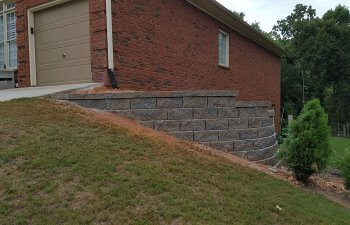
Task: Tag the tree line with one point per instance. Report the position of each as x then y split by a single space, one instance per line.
316 63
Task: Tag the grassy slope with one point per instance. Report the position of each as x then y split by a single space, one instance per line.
340 147
56 167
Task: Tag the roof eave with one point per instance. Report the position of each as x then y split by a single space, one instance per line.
222 14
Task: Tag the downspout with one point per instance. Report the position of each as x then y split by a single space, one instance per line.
111 72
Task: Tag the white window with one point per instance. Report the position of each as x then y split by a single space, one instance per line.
224 43
8 44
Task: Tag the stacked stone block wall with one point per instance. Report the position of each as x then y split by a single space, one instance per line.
213 118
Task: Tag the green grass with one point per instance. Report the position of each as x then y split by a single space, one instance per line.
59 167
340 147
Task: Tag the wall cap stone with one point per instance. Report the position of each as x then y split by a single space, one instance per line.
149 94
248 104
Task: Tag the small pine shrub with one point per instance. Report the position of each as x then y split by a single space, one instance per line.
346 172
306 149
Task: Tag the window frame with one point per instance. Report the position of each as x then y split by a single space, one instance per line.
6 40
227 63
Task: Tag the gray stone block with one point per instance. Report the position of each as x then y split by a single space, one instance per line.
262 154
268 121
228 112
92 103
154 114
271 112
226 145
251 104
187 136
243 145
149 124
218 124
228 135
238 123
243 155
143 103
247 112
195 102
206 113
266 131
248 134
221 101
206 136
272 140
117 104
167 125
132 114
180 114
205 143
255 122
169 103
262 111
265 142
272 161
193 125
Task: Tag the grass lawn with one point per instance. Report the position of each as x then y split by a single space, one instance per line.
340 147
57 166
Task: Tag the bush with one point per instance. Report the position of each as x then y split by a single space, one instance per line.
281 137
306 149
346 171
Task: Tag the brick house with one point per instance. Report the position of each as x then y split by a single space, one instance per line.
150 44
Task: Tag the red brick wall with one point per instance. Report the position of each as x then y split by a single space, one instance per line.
167 45
97 36
171 45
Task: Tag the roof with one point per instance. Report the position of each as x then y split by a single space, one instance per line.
222 14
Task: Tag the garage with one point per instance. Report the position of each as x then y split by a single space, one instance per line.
62 44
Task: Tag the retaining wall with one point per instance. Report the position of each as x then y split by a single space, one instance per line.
212 118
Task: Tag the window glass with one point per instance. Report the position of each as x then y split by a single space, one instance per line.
11 26
12 54
2 54
1 28
223 49
10 5
8 44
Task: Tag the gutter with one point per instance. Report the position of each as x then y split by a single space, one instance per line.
110 51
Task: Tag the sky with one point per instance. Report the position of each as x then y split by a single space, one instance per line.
268 12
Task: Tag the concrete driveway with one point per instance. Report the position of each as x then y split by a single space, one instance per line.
29 92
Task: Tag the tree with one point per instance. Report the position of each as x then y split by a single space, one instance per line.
318 55
306 149
239 14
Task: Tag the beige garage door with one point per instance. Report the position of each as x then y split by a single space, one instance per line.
62 43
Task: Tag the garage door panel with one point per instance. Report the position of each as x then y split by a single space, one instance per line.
55 55
62 44
72 29
52 66
62 39
77 8
57 74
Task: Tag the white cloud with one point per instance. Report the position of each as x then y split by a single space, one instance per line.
267 12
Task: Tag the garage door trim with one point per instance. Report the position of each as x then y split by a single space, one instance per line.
31 36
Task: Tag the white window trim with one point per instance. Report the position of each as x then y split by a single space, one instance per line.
227 64
6 41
